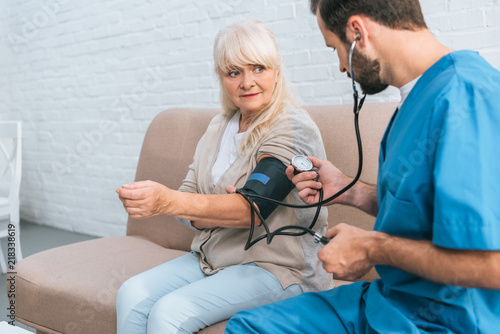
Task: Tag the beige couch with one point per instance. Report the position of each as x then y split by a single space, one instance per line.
72 289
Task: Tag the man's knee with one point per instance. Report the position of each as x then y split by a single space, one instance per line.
241 322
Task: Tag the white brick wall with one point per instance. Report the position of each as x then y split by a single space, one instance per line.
86 78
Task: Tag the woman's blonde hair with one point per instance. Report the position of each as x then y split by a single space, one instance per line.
251 42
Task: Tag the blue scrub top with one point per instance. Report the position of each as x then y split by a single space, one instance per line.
439 180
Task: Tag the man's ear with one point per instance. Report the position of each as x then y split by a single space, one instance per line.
356 29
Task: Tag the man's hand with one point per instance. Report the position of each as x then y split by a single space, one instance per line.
347 255
145 199
330 178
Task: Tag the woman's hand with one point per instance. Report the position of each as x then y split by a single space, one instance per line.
330 178
146 199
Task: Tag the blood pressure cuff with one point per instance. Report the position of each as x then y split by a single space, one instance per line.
269 180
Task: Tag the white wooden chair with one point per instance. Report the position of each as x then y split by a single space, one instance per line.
10 184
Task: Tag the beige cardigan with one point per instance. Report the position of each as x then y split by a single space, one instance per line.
292 260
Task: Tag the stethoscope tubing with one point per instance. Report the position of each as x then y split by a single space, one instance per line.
317 238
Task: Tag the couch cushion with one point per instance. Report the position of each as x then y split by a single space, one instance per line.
72 289
171 139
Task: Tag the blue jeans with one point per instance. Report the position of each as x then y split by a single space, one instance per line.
177 297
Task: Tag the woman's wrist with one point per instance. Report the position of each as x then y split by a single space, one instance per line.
168 202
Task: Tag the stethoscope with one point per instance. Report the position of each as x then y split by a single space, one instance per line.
302 164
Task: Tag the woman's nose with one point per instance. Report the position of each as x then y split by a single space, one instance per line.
247 81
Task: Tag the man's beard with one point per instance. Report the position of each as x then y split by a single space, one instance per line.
367 74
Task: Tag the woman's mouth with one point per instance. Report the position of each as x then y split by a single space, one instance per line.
249 96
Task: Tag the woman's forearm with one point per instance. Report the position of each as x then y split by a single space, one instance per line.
208 211
145 199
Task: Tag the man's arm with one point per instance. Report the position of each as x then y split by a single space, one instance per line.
362 196
353 251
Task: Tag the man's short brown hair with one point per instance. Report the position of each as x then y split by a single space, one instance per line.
395 14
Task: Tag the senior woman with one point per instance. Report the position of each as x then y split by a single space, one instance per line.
259 120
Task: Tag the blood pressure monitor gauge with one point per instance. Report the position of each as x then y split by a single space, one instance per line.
301 164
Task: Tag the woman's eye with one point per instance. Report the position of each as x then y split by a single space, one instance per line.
233 73
259 69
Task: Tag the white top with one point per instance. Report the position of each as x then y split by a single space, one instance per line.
228 151
406 89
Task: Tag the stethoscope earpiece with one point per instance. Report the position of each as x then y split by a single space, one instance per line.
357 103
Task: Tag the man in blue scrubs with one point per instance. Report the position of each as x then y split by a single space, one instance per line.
436 241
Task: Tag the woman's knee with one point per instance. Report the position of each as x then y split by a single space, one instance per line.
173 313
129 295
